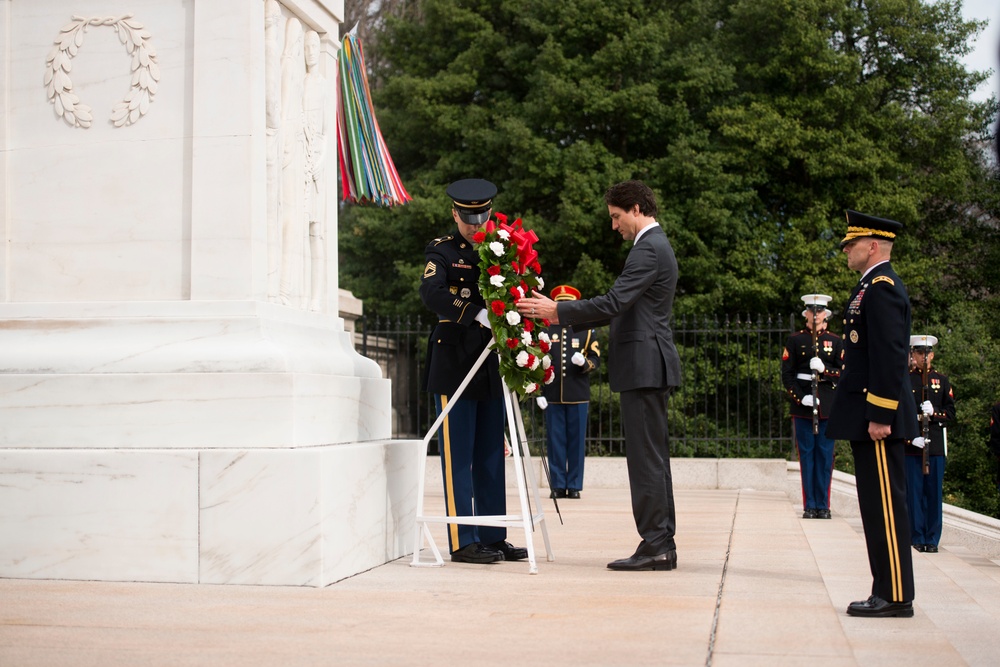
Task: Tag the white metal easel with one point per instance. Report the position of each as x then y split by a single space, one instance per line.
523 470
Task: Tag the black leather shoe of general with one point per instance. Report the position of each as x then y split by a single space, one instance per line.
930 548
809 514
509 551
476 553
573 493
558 493
665 561
875 606
823 514
920 547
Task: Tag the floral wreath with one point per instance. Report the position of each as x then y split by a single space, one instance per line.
509 270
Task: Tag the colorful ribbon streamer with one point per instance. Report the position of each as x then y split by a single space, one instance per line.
367 173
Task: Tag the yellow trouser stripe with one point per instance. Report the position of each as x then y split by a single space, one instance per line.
449 486
888 518
886 403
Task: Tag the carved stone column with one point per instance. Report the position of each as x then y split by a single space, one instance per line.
165 418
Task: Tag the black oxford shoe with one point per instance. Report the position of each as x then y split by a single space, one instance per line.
920 547
558 493
665 561
876 607
823 514
573 493
809 514
509 551
930 549
476 553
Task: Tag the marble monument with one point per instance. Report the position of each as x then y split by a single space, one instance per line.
179 399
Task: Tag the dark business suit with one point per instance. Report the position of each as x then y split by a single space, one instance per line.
644 367
875 387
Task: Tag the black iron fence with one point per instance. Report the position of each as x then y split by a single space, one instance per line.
731 404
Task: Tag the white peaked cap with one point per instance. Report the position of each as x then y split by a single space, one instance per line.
923 341
816 300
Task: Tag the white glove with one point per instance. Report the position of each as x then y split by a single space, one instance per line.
483 319
918 442
542 403
816 364
807 400
578 359
927 408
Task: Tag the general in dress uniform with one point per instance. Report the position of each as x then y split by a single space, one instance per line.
575 355
471 436
874 410
935 401
804 356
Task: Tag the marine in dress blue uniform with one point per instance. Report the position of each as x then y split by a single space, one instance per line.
575 355
925 492
873 409
471 436
798 360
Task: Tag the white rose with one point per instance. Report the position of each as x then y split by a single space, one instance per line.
525 338
522 359
530 388
546 362
535 362
541 284
504 234
496 281
513 317
543 336
517 292
497 248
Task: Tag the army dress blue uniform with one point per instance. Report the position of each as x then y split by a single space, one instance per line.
568 397
925 492
874 387
471 435
816 451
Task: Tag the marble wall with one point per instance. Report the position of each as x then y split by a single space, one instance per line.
180 398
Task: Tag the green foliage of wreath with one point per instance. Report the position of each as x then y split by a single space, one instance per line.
520 342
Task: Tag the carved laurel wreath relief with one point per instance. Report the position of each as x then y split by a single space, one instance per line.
145 71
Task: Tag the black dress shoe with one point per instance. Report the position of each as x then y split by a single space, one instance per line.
920 547
508 550
930 549
558 493
573 493
476 553
875 606
665 561
809 514
823 514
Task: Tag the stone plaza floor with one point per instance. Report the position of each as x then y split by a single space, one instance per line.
755 585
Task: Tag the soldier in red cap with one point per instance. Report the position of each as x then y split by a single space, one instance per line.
566 400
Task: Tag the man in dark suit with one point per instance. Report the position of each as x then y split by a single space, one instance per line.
873 408
471 437
644 366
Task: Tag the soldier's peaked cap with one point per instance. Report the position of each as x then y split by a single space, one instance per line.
565 293
923 343
862 225
817 303
473 199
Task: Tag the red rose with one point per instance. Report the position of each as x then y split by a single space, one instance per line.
546 323
493 270
536 267
549 372
479 237
545 347
516 268
512 343
497 307
529 326
501 217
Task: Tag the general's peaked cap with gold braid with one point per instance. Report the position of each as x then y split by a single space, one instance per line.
862 225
